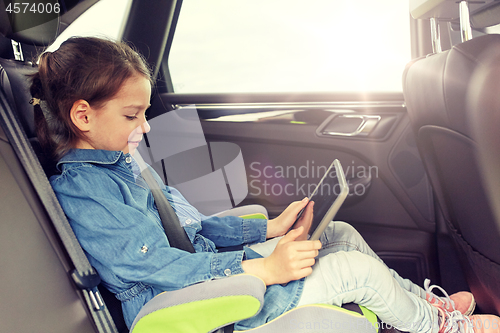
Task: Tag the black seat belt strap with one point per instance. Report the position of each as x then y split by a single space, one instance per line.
176 234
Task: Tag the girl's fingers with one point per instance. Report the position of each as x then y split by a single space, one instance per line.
308 211
307 245
292 235
308 262
305 262
298 205
306 220
304 255
306 271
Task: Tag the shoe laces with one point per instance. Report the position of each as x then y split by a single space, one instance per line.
447 301
456 322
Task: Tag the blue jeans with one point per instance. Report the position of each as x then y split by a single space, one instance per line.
347 270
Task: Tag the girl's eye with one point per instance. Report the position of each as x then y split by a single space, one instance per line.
131 117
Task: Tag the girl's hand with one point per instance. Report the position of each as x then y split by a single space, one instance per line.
280 225
290 260
305 221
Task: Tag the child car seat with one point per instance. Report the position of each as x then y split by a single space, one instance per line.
203 307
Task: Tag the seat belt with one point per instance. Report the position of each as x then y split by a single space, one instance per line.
84 275
176 234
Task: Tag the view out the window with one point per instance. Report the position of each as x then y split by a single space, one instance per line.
105 19
290 46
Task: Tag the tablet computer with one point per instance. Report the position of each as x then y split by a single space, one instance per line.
328 196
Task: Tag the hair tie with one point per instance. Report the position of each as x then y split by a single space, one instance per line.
35 101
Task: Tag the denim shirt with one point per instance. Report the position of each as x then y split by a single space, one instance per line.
114 217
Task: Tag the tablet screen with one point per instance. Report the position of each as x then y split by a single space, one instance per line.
325 193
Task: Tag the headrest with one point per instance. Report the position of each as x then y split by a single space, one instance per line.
27 26
483 13
435 87
15 82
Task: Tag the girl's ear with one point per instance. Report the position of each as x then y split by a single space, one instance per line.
80 113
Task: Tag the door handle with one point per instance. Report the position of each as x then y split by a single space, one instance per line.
356 125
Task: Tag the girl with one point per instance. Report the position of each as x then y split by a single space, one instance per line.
94 95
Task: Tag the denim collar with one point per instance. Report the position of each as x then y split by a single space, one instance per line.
96 156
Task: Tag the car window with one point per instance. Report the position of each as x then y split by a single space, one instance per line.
288 46
105 19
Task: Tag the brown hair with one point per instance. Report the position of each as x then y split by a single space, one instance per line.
87 68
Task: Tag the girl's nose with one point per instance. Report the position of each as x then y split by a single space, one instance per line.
145 128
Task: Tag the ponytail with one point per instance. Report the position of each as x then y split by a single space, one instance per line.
41 125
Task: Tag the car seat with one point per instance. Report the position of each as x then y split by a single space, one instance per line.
435 89
204 307
483 105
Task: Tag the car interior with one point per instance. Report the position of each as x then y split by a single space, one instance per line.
422 166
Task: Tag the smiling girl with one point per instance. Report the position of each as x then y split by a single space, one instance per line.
90 100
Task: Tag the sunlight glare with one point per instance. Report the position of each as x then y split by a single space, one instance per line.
288 46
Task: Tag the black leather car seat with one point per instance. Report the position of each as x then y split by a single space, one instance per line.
435 89
484 109
14 80
15 83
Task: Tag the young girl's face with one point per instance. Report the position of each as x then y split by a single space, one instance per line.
120 124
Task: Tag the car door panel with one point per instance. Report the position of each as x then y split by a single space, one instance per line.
284 150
